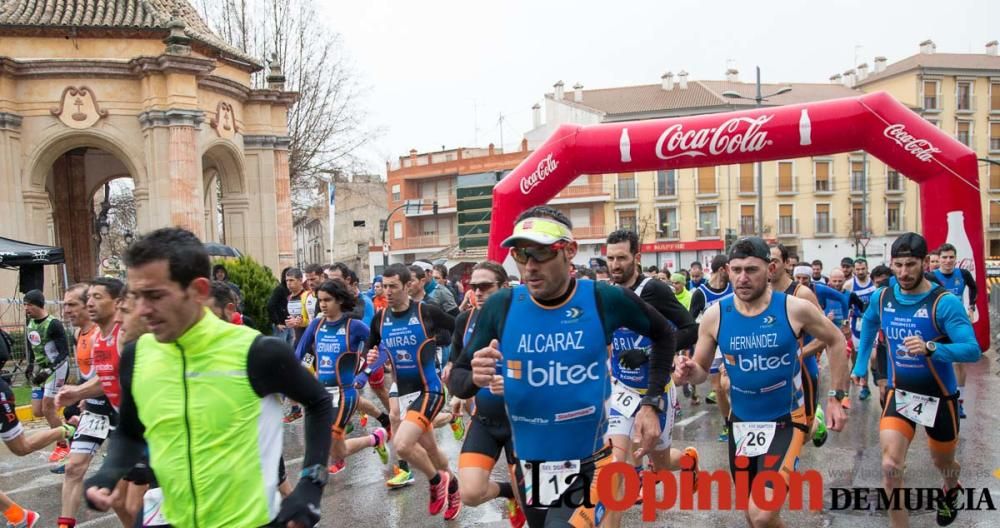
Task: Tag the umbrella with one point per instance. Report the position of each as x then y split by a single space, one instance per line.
221 250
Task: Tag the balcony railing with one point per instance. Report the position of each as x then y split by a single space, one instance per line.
424 241
625 191
788 226
706 232
590 232
994 144
931 103
994 226
748 228
586 189
824 186
824 225
669 235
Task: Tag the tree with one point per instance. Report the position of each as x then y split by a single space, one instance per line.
327 124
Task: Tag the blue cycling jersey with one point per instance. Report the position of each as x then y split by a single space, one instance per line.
762 359
556 378
864 292
953 282
411 350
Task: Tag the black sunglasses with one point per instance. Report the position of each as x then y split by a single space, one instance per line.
483 286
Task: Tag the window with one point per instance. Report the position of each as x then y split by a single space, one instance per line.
395 193
786 183
626 186
994 214
667 226
822 170
708 221
666 182
381 225
858 223
963 96
823 223
439 190
995 136
706 180
626 219
893 181
786 219
994 177
995 98
397 230
747 184
359 223
858 177
747 220
963 132
893 217
580 217
362 249
931 95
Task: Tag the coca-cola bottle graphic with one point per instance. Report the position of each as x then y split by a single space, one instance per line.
805 128
625 146
963 249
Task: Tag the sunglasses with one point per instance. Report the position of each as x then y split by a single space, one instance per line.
482 286
539 253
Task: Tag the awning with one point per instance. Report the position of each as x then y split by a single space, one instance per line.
14 253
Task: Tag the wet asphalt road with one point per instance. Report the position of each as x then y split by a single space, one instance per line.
358 498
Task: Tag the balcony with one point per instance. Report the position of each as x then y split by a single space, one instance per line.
708 232
666 192
590 232
823 187
748 228
626 190
582 193
430 241
994 226
858 183
931 104
673 234
788 226
425 206
995 144
824 226
965 105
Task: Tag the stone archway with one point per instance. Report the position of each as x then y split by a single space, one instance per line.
227 204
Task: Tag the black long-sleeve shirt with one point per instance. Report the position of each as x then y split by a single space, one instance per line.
277 305
661 296
271 368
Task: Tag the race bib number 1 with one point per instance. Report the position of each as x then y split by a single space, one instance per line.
94 425
917 407
624 399
554 478
406 400
753 438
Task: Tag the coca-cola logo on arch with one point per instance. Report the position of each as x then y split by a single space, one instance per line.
739 134
546 166
921 149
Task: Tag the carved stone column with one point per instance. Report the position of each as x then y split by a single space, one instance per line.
175 168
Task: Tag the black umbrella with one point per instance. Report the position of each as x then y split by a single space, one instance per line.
221 250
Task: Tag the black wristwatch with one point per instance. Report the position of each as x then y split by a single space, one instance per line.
317 474
655 402
931 347
837 394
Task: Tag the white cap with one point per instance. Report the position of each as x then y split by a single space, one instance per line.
803 270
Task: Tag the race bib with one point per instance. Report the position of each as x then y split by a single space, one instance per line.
405 400
152 508
307 362
295 308
753 438
625 399
554 478
94 425
334 395
917 407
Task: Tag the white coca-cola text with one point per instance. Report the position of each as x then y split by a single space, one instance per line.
727 138
546 166
921 149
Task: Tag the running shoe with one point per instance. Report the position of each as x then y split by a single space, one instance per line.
438 493
337 467
380 438
515 515
458 428
59 453
30 520
821 434
454 504
400 479
349 429
724 436
865 393
710 399
947 508
60 467
696 468
961 409
846 402
363 420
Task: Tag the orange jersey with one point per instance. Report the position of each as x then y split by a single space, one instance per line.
85 351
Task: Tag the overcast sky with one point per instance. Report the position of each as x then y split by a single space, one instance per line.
440 73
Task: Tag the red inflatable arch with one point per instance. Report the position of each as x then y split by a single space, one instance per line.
945 169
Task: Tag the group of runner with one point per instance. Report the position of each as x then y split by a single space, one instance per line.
565 375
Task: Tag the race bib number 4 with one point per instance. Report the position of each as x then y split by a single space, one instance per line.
917 407
334 395
406 400
625 399
94 425
753 438
554 478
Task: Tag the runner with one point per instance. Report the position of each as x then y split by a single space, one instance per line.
571 323
411 333
489 431
935 257
702 298
630 363
22 444
231 443
880 368
300 300
926 330
758 331
48 364
817 272
861 285
847 267
99 416
960 282
75 310
697 275
678 283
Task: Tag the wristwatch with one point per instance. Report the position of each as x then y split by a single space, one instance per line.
652 401
931 348
317 474
837 394
368 371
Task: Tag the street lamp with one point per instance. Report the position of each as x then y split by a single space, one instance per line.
758 99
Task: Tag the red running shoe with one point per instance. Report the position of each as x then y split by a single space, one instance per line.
439 493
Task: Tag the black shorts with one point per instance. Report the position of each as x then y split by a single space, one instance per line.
942 438
424 409
881 370
483 442
562 515
141 474
783 453
10 426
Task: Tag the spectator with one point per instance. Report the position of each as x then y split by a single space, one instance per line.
440 273
435 294
378 296
221 274
602 274
277 309
585 273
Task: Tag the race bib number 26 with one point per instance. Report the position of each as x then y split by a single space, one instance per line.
753 438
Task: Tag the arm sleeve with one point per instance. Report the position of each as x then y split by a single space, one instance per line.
307 340
869 331
359 335
854 301
57 336
458 336
622 307
697 302
970 283
443 324
273 370
666 303
375 331
126 445
487 329
954 322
